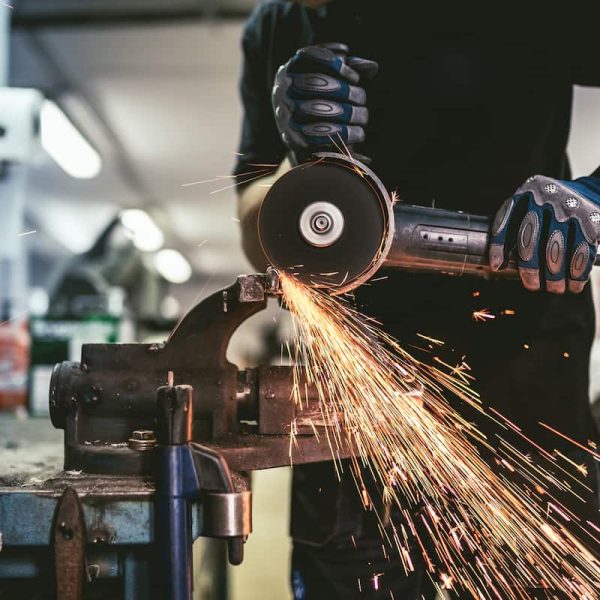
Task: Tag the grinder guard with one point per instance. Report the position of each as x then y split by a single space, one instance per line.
336 195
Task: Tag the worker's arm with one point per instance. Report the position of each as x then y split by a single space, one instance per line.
249 202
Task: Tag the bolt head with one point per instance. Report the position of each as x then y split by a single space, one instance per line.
142 434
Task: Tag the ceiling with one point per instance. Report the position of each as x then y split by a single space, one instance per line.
159 101
68 11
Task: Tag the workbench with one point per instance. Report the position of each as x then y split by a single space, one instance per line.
118 513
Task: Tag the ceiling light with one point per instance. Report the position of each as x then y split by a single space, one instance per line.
65 144
173 266
145 233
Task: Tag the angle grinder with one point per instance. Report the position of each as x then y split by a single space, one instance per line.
332 223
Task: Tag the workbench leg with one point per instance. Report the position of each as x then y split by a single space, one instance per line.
137 583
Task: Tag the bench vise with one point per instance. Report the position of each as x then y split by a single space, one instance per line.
180 411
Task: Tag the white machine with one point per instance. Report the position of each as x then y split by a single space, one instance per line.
19 146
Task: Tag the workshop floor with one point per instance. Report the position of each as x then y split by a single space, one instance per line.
264 572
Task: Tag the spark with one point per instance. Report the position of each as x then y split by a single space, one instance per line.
572 441
27 233
260 175
14 318
447 581
424 453
220 178
430 339
509 312
376 577
248 177
483 315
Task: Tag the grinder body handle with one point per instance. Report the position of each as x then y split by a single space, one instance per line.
443 241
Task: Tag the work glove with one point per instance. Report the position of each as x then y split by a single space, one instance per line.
555 227
319 102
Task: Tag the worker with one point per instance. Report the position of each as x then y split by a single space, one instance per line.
453 113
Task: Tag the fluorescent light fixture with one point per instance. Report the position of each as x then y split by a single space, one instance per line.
172 265
65 144
144 232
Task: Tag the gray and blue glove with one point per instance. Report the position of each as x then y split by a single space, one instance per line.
319 101
554 226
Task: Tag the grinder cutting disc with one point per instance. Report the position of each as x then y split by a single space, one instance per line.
329 223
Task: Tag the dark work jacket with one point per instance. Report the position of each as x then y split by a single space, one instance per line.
463 110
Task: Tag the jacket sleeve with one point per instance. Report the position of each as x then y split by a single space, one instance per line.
260 145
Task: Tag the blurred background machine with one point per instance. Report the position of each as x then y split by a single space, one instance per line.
115 239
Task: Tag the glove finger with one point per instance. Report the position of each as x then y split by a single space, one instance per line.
320 59
503 238
317 85
497 254
329 134
280 98
555 257
309 111
528 244
367 69
290 135
582 256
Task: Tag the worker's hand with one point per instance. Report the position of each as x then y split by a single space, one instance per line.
555 227
318 100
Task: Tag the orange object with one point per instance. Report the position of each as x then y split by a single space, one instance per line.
14 364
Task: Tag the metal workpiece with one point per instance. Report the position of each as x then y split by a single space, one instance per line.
278 410
257 286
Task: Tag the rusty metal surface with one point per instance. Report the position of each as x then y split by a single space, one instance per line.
69 539
117 509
